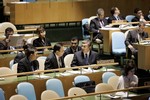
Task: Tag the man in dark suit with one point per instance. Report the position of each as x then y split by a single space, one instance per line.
4 43
97 23
86 56
42 40
29 62
115 15
55 59
135 36
139 16
74 47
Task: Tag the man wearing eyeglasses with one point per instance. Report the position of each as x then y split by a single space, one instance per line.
4 43
74 47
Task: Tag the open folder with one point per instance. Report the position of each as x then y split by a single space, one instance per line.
16 40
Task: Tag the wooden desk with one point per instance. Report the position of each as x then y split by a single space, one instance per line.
107 44
143 56
39 84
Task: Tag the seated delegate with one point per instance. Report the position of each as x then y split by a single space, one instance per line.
29 62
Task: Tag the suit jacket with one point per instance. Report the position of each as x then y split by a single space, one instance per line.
132 37
3 45
135 19
95 25
110 19
18 57
51 62
70 51
39 43
79 59
25 65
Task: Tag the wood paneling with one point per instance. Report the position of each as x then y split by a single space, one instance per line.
48 12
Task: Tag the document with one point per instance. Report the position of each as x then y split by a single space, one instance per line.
16 40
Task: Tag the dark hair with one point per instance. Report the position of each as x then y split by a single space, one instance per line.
112 10
8 30
57 47
74 38
136 10
40 29
29 49
129 66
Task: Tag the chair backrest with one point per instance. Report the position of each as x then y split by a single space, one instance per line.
2 97
26 89
113 81
68 59
85 25
11 63
129 18
14 68
5 71
76 91
81 78
42 57
106 76
49 94
41 63
55 85
5 25
18 97
103 87
30 40
92 17
118 45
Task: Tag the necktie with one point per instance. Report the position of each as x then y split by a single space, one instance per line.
101 23
118 18
59 63
86 59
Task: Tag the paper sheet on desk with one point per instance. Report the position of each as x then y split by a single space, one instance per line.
109 28
124 94
41 76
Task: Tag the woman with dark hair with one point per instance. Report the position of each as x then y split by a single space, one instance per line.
128 78
29 62
42 40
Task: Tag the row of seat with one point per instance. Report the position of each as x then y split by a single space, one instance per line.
67 61
84 21
55 85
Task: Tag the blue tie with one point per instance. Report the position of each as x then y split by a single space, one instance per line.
86 59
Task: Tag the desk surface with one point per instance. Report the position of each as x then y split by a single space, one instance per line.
39 83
